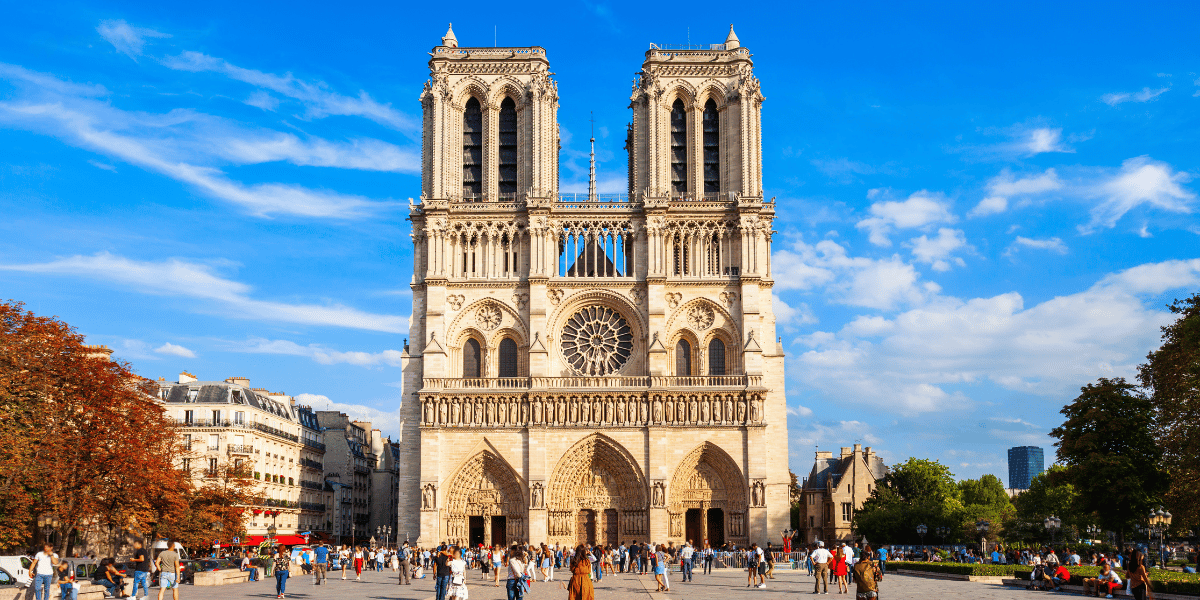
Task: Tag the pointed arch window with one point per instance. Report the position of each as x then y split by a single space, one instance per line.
716 357
472 150
712 148
472 359
508 148
679 159
683 358
508 358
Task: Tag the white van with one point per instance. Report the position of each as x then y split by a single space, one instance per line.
18 568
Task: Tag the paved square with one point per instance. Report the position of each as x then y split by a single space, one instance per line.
723 584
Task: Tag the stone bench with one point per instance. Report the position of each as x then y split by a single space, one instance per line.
222 577
949 576
1078 589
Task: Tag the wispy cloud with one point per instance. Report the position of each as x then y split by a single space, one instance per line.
918 210
1044 139
186 146
319 101
174 350
127 39
1053 244
1005 186
224 297
318 353
938 250
1145 95
1140 181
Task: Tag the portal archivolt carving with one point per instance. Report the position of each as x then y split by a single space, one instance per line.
709 478
598 475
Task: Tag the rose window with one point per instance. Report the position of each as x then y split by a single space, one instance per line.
597 341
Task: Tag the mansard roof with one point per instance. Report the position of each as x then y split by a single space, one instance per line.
221 392
827 472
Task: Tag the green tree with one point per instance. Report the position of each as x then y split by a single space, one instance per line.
1172 374
1049 494
986 499
914 492
1112 459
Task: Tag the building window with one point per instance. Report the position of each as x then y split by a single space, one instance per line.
214 441
716 356
812 498
508 148
811 522
683 358
212 467
508 358
471 359
188 418
191 396
847 511
679 161
216 417
472 150
187 464
187 441
712 148
239 418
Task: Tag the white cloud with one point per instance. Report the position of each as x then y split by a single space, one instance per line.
1053 244
387 422
789 317
858 281
1044 139
127 39
1145 95
184 146
1141 180
835 434
799 411
226 297
907 364
937 251
173 350
319 353
1006 185
319 101
919 210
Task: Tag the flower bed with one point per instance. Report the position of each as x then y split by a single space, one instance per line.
953 568
1167 582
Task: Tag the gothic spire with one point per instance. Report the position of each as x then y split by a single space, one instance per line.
731 41
449 40
592 166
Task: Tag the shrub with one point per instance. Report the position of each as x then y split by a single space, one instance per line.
976 570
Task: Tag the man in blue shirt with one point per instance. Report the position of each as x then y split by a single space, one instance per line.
321 566
883 556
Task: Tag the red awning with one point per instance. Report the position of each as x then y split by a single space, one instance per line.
286 540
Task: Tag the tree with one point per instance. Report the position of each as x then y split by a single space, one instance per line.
1049 494
1108 447
986 499
914 492
81 436
1172 374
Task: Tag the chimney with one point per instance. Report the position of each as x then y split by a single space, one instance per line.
242 381
845 452
857 448
867 451
824 454
185 377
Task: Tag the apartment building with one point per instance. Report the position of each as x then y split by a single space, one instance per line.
349 463
834 489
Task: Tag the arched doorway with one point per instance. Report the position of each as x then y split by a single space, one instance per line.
486 503
597 495
708 498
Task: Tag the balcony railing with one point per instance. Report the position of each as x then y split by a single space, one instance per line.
213 448
362 470
311 464
276 432
267 429
314 444
312 485
611 382
239 449
317 506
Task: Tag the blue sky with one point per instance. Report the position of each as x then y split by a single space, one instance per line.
980 208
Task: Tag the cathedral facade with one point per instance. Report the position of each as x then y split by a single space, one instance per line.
585 367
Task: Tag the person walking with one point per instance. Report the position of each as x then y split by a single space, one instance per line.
709 556
1139 580
344 560
320 565
404 554
283 566
685 561
458 576
866 576
141 569
580 586
167 565
517 582
839 569
359 558
441 573
821 558
43 566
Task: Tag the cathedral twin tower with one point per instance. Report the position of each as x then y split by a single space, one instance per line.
592 368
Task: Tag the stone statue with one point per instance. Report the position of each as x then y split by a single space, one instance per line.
441 412
659 496
755 410
536 500
741 411
429 497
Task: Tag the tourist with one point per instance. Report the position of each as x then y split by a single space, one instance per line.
404 565
866 576
344 560
751 566
660 569
709 556
141 569
580 586
1107 580
441 573
283 565
1057 578
458 576
108 576
517 581
66 582
497 561
43 566
881 559
1139 580
821 558
685 561
840 571
320 565
167 565
359 558
248 567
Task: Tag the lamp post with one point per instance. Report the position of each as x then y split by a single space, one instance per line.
1160 521
1093 532
48 523
942 532
921 531
982 526
353 535
216 527
1053 524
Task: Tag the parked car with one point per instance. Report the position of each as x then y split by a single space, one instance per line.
84 568
187 570
17 568
9 581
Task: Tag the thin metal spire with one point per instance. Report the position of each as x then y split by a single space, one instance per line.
592 167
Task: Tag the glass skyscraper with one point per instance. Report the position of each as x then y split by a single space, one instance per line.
1024 463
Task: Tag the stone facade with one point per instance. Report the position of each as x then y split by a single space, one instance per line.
592 368
834 490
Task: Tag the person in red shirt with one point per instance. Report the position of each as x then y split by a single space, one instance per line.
1060 576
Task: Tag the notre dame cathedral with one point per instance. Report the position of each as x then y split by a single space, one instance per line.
601 367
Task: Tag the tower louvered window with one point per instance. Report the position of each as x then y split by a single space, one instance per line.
472 150
508 358
683 358
508 148
716 357
679 161
472 359
712 148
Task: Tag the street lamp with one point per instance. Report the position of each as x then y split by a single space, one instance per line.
982 526
942 532
921 531
353 535
1053 524
1160 521
49 523
1093 531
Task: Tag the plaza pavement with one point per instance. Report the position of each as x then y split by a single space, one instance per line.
723 584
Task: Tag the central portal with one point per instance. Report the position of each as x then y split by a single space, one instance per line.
585 527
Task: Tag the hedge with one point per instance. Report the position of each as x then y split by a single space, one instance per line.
1167 582
953 568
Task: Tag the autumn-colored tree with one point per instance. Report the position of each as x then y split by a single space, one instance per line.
1172 374
81 436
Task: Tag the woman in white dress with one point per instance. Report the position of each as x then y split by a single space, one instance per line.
458 577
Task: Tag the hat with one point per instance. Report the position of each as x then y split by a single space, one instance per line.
820 544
